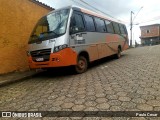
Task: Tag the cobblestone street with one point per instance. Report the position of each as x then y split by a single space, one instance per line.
131 83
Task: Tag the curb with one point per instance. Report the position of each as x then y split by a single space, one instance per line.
11 81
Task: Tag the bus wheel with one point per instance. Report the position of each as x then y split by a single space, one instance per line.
82 65
118 55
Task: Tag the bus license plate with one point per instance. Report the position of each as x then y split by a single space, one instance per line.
39 59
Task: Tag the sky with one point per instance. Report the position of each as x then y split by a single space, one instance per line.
148 11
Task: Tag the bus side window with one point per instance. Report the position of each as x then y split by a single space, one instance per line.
125 29
77 24
100 25
122 29
90 27
109 26
116 28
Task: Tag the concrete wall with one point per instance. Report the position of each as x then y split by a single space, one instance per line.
17 19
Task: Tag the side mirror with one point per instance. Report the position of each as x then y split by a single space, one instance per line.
73 29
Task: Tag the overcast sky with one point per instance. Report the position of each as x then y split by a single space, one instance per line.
120 9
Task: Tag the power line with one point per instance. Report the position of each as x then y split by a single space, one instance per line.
100 5
120 19
97 3
153 19
149 20
84 5
137 13
82 1
102 11
96 9
78 3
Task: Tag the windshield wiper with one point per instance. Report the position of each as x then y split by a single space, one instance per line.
34 35
50 32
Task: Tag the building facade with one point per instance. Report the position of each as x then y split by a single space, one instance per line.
18 18
150 34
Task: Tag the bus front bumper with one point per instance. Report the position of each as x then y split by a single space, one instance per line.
66 57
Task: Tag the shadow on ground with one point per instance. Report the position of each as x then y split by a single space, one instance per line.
67 71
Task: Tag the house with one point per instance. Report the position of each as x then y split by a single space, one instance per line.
18 18
150 34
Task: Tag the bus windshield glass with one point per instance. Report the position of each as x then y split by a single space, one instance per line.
50 26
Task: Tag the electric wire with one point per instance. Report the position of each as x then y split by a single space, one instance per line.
79 3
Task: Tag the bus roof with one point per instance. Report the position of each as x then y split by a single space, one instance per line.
77 8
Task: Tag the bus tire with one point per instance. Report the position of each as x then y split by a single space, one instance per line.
118 55
82 65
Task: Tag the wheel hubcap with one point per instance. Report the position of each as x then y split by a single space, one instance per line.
81 64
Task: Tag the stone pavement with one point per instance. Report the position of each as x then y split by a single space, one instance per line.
131 83
14 77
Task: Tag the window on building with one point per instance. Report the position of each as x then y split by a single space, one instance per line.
100 25
90 27
148 31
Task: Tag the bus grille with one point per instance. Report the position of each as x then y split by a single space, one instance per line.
45 54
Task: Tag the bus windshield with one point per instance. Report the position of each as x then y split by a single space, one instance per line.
50 26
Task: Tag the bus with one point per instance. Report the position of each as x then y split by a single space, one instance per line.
74 36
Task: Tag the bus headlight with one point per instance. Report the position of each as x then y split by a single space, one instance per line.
58 48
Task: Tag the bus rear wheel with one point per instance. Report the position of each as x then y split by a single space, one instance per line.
82 65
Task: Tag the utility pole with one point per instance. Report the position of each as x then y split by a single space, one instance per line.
132 19
131 28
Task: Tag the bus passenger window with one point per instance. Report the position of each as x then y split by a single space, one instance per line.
90 27
109 26
116 28
100 26
77 24
125 29
122 29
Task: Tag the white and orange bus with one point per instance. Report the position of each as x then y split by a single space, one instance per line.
74 36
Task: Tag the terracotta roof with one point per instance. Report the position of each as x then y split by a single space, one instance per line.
42 4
